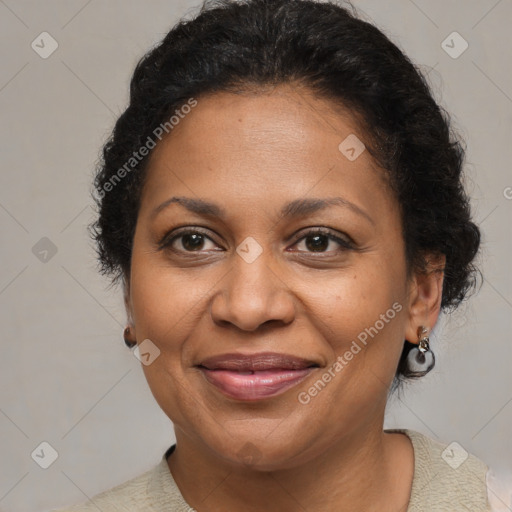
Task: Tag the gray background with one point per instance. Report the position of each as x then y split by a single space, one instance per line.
66 376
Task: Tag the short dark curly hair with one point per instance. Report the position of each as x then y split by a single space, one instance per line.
238 45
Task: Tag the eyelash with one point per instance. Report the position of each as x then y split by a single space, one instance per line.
166 242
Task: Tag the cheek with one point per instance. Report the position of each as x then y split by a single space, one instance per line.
164 299
356 300
168 301
362 317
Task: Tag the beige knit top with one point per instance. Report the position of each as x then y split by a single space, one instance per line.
444 481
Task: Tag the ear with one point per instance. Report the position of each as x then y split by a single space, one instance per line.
128 306
425 296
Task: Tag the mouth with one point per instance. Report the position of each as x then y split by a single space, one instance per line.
257 376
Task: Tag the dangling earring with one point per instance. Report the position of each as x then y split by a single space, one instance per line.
128 342
421 359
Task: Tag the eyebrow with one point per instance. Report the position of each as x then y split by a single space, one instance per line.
296 208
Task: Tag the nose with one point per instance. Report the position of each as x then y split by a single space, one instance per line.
252 294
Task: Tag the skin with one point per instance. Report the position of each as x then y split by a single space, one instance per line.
251 154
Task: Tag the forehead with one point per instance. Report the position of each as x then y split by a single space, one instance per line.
263 145
285 113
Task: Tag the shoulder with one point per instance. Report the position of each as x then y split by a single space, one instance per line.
124 497
152 491
128 496
446 476
499 486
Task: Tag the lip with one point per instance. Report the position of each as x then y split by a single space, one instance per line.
255 376
257 362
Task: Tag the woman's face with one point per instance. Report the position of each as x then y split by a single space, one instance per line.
253 275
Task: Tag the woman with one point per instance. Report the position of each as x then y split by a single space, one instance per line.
282 201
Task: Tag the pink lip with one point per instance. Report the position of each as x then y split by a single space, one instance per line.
256 386
256 376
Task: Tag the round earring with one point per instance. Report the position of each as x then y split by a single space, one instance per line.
421 359
128 342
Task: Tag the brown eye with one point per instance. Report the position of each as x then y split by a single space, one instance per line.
188 241
319 241
192 241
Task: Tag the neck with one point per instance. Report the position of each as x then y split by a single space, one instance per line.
366 470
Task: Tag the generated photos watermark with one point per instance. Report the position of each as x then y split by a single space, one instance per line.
143 151
304 397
